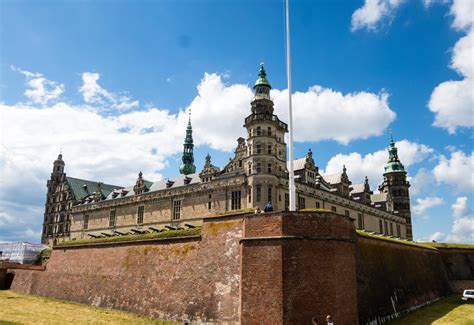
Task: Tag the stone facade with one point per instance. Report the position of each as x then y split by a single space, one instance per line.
256 175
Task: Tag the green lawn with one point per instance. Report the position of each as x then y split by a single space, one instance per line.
449 310
17 308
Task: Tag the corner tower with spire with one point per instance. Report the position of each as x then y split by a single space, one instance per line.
187 167
395 183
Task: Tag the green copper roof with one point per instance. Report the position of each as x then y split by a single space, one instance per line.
187 167
262 78
79 190
393 164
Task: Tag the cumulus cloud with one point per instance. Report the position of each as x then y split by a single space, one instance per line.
372 13
371 165
456 171
316 113
422 179
462 230
93 93
421 205
40 90
452 101
326 114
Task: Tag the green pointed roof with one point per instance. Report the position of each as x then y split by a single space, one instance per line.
394 164
262 78
188 167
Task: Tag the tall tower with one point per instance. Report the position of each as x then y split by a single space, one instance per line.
187 167
52 198
395 182
265 161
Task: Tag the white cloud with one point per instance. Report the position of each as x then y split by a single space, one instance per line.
456 171
371 165
326 114
93 93
462 230
422 179
373 12
452 101
421 205
40 90
316 113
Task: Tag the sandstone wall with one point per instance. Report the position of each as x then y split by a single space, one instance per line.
393 277
184 279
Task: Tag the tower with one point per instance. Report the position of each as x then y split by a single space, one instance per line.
53 206
395 182
187 167
265 161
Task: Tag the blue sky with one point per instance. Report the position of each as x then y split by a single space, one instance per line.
111 83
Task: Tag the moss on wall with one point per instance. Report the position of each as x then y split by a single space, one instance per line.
134 238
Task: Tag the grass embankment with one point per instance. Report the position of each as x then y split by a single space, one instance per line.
17 308
138 237
449 310
362 233
450 245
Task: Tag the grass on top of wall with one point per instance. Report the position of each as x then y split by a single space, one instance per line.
134 237
231 212
393 240
314 210
450 245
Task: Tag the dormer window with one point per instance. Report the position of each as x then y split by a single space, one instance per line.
169 184
187 180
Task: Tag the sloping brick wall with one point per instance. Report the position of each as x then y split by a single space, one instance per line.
393 277
177 279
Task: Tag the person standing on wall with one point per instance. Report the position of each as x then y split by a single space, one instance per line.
329 320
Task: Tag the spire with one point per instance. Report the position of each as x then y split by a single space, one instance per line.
262 87
393 164
58 165
187 167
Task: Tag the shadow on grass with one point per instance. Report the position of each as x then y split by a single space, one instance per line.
431 313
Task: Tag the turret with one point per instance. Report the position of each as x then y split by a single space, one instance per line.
395 182
187 167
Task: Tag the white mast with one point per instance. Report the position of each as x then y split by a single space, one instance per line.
291 184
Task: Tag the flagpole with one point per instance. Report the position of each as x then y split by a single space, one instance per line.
291 184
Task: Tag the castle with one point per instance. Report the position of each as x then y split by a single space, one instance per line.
257 174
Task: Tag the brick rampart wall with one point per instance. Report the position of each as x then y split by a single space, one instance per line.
298 266
176 279
393 277
459 264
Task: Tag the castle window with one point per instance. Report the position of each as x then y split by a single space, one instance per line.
269 149
176 209
391 229
347 213
240 163
269 131
399 233
287 201
360 221
235 203
259 130
318 205
269 198
259 168
301 203
259 193
250 168
333 209
85 225
112 218
385 228
269 168
250 195
140 212
259 148
209 204
380 227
